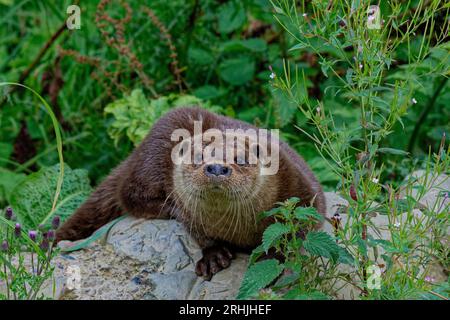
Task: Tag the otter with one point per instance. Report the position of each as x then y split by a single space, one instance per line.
217 202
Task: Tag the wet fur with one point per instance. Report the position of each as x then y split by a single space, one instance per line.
143 186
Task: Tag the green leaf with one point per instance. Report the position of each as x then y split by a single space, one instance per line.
320 243
345 257
200 57
231 16
259 276
253 45
8 181
237 71
273 233
298 46
269 213
305 213
32 198
209 92
393 151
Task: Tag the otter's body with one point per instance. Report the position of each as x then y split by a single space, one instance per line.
216 207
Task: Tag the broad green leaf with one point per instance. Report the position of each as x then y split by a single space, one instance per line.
231 16
200 57
259 276
345 257
8 181
305 213
237 71
32 198
253 45
320 243
209 92
272 234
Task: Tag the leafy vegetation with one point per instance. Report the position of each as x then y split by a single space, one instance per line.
364 106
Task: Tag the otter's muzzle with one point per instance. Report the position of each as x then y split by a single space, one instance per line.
216 170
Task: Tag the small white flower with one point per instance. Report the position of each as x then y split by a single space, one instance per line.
272 75
414 101
375 180
360 66
304 15
397 224
318 109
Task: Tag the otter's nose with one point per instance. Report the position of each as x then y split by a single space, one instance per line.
212 170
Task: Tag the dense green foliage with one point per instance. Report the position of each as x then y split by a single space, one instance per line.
364 107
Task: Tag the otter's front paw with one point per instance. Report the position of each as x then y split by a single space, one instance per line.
214 259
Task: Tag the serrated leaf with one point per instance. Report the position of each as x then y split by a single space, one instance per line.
269 213
320 243
273 233
345 257
259 276
305 213
32 198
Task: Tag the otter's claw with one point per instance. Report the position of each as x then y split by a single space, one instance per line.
214 259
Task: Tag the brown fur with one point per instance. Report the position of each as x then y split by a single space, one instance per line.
148 185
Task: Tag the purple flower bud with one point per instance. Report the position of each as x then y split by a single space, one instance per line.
5 246
44 244
17 230
33 235
8 213
55 222
50 235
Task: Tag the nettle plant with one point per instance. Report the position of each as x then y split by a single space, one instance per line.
356 45
25 259
307 255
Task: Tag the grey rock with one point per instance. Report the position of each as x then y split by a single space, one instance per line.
146 259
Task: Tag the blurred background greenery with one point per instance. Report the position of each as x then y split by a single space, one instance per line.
133 60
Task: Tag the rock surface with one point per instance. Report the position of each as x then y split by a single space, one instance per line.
144 259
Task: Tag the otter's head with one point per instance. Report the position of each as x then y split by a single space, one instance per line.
209 183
